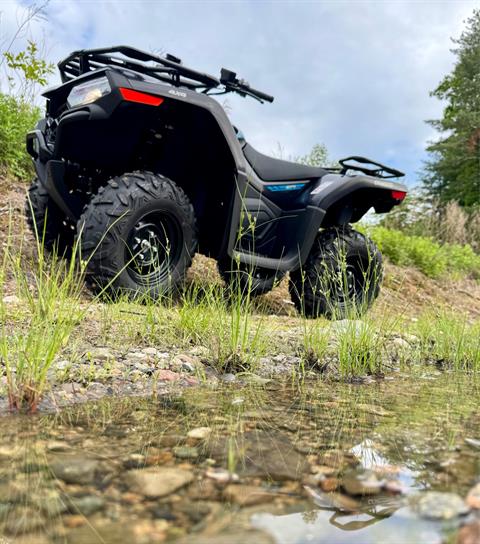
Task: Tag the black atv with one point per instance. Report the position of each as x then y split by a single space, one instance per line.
137 160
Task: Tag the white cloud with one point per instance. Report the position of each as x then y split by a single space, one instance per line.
355 75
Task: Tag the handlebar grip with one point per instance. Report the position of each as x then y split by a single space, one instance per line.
262 96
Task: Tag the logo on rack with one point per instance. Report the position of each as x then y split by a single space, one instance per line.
177 93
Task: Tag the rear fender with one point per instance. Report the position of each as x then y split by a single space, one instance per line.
346 199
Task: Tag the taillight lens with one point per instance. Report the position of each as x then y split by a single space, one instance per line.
140 98
399 195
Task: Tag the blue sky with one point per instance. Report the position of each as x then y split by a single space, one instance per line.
354 75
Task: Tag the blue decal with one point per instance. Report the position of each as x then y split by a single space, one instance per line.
286 187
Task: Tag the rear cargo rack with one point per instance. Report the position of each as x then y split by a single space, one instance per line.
168 69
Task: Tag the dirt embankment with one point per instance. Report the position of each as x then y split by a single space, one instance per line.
405 291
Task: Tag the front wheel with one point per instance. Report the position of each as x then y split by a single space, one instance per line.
138 236
341 277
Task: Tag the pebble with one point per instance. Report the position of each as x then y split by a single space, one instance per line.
247 495
185 452
86 505
473 497
366 483
11 299
101 355
438 505
155 482
473 442
469 534
75 470
222 476
200 433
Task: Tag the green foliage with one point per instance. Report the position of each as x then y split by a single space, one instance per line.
30 69
453 172
17 117
429 256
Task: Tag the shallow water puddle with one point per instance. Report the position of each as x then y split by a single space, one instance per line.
286 464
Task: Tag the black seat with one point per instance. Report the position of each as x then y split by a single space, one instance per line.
270 169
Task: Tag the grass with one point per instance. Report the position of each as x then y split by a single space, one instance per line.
432 258
449 340
29 348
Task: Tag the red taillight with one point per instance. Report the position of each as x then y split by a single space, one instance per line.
140 98
399 195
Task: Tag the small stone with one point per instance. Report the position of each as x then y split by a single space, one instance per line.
247 495
185 452
167 376
101 355
11 300
75 470
329 484
200 433
8 452
86 505
401 344
134 460
222 476
364 483
473 497
438 505
74 521
57 445
469 534
473 442
157 482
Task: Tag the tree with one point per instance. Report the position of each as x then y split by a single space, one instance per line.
453 171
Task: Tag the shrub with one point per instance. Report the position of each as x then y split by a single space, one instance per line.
429 256
17 117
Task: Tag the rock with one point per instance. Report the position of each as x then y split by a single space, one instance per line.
100 355
134 460
75 470
361 483
473 442
228 377
11 300
401 344
247 495
185 452
469 534
167 376
437 505
186 363
262 454
48 501
222 476
157 482
86 505
57 445
239 537
473 497
8 452
204 490
200 433
196 511
336 501
329 484
24 520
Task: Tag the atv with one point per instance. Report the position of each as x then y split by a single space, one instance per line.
137 162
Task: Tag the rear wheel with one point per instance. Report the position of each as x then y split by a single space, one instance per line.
256 281
341 277
138 235
47 221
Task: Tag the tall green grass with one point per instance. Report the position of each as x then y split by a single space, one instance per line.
50 290
430 257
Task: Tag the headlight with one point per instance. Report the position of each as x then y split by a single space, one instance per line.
88 92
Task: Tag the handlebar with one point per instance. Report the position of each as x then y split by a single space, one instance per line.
233 84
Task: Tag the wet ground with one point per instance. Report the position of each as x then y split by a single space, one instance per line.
395 461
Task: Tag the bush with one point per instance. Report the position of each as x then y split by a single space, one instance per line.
17 117
429 256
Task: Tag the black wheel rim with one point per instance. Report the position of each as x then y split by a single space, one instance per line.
154 247
351 281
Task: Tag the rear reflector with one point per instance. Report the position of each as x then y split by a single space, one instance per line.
140 98
399 195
